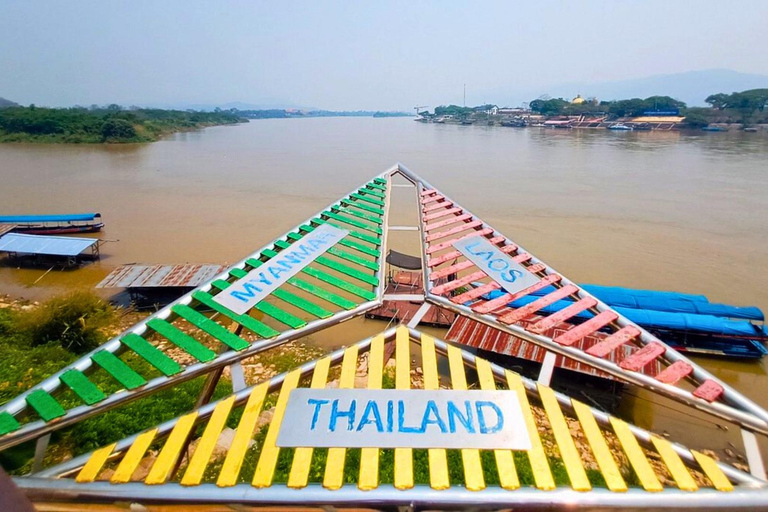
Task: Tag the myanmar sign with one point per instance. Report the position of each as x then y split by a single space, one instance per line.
508 273
245 293
362 418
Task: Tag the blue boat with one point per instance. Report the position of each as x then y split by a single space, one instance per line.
688 323
54 224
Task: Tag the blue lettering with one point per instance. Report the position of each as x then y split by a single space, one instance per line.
371 408
454 412
298 255
486 255
481 417
431 410
316 243
511 276
246 293
316 413
275 271
263 279
336 414
504 265
401 421
390 414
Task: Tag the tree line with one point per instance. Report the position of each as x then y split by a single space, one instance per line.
111 123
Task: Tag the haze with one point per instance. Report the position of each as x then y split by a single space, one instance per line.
358 55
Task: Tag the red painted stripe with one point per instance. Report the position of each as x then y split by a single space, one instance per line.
449 243
443 272
435 206
428 191
642 357
452 285
673 373
536 267
571 336
475 293
433 216
454 231
613 341
563 315
709 391
499 302
528 310
447 222
427 200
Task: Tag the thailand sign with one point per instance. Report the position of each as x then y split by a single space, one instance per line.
508 273
246 292
364 418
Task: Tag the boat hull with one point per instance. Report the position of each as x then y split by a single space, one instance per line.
53 230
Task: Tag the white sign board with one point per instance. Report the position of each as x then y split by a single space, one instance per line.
508 273
246 292
389 418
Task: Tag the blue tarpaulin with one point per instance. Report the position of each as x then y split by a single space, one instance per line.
27 219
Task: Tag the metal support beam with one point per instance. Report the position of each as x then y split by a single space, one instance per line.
403 228
238 377
547 367
40 447
423 310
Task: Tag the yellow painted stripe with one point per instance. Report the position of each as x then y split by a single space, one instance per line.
542 474
234 460
96 461
133 457
166 460
600 450
473 468
202 456
369 457
334 466
636 457
570 455
265 469
713 471
438 460
302 457
674 463
505 461
403 456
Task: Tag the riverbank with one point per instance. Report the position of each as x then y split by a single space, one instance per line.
110 125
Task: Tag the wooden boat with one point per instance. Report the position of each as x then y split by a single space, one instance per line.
55 224
620 127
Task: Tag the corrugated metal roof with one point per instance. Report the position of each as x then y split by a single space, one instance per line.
48 245
49 218
160 276
5 228
474 334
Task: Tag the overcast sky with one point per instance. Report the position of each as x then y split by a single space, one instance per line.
358 54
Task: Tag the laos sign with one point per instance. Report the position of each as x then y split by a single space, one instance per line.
508 273
246 292
389 418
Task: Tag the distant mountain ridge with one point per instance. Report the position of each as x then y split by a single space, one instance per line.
4 103
692 87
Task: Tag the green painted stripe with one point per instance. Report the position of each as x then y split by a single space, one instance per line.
182 340
301 303
269 309
354 259
363 206
380 181
372 193
339 283
310 288
246 321
151 354
356 234
239 272
8 423
122 373
367 199
84 388
352 222
212 327
45 405
360 215
349 271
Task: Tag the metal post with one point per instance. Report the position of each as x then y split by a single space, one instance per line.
754 459
547 367
237 375
40 447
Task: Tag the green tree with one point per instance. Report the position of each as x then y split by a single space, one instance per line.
117 129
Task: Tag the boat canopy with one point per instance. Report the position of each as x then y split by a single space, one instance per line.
405 261
18 219
45 245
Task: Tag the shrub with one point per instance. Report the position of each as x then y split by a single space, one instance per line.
75 321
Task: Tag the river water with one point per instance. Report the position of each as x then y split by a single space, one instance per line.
657 210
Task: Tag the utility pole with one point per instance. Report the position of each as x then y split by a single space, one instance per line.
465 95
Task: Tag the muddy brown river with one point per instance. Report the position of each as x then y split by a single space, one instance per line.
657 210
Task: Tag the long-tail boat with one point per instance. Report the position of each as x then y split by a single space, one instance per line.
54 224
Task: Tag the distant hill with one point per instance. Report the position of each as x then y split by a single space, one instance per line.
4 103
692 87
